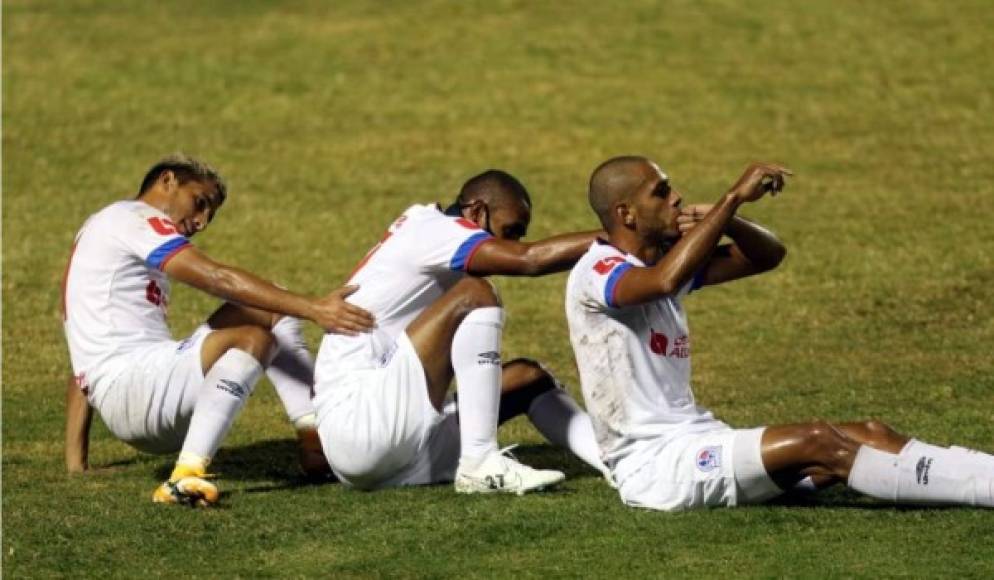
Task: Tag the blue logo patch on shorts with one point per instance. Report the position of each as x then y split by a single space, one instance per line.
185 344
709 458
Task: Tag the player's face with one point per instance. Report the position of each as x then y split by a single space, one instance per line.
509 221
194 205
657 207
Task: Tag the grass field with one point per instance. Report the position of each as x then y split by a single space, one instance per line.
329 119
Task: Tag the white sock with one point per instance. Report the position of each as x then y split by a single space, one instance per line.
222 395
292 369
560 420
979 459
965 461
917 476
477 366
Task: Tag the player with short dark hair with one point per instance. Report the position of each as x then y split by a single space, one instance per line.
632 344
160 395
383 412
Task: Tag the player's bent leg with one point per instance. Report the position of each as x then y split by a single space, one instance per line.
460 335
527 387
232 362
874 433
291 371
918 474
871 432
792 452
433 332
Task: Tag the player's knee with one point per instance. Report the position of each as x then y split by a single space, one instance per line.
529 372
478 293
255 340
879 432
823 441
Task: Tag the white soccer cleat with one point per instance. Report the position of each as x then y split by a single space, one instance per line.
502 473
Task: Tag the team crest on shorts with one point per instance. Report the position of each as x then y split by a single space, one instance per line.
709 458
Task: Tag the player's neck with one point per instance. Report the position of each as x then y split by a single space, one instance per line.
155 199
628 242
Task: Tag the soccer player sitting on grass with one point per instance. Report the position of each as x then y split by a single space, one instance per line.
381 397
160 395
632 343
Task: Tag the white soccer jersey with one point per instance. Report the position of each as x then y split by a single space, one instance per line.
115 294
423 253
634 362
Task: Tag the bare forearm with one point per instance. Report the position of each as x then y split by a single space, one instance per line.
756 243
693 249
79 417
559 253
236 285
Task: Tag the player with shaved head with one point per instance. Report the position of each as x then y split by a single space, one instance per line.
383 412
624 304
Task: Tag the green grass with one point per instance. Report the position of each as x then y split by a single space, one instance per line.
329 119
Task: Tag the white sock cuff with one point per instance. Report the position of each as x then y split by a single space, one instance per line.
556 392
874 472
489 315
288 327
240 358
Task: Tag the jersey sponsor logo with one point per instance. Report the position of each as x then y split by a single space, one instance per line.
231 387
163 227
659 344
921 470
709 458
681 347
490 357
604 266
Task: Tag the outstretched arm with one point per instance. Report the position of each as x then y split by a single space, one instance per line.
332 312
512 258
79 416
694 249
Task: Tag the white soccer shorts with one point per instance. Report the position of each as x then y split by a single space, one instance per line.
379 429
713 469
150 404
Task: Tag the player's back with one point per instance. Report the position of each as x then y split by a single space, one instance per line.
115 295
423 253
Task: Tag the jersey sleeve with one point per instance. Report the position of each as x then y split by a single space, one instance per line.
600 282
448 244
153 238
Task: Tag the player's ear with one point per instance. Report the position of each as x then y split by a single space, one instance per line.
475 211
168 179
624 215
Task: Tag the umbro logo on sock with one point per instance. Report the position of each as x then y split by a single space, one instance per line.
489 358
231 387
921 470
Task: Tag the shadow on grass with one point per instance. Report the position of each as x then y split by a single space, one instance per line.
842 497
265 461
275 463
